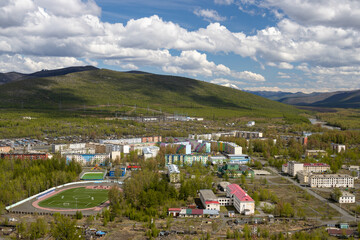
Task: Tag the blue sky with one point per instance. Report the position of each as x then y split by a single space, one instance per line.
275 45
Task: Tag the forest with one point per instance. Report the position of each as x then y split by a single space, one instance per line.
23 178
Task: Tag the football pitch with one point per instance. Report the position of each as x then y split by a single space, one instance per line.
76 198
92 176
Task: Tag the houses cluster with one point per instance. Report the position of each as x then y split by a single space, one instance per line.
188 150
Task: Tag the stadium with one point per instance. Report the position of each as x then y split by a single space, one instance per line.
89 197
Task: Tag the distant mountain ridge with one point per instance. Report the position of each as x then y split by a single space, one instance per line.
15 76
339 99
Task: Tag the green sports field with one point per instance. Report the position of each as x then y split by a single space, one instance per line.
76 198
92 176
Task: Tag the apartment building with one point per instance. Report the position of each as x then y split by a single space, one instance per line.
331 181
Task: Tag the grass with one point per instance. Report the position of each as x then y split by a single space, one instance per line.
92 176
76 198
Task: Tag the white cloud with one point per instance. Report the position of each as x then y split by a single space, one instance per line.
227 83
250 76
231 86
323 41
283 75
13 12
26 64
223 2
209 15
282 65
72 8
320 12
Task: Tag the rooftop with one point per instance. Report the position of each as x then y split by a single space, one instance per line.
239 193
347 194
208 195
173 168
316 164
330 176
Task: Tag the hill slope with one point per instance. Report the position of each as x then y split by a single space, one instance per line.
159 92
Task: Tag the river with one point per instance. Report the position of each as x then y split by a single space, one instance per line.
323 124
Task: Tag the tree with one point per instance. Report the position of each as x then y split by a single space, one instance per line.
243 179
336 193
78 215
246 232
38 229
63 228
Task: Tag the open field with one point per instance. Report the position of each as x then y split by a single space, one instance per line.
76 198
92 176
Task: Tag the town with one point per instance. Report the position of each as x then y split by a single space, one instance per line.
230 178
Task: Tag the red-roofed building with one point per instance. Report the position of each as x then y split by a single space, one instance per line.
242 202
209 200
174 212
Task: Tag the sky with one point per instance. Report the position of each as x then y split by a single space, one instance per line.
270 45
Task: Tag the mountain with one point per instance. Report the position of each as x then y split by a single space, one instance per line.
272 95
108 90
15 76
307 99
340 99
11 76
348 99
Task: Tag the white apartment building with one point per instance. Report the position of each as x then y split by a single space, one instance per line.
338 147
346 197
331 181
294 167
316 167
242 202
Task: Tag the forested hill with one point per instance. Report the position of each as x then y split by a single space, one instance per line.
162 93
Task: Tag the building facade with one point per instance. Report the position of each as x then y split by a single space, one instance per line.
345 197
24 156
315 153
173 173
242 202
294 167
316 167
189 159
88 159
209 200
331 181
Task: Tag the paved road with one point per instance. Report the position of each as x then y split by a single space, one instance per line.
345 215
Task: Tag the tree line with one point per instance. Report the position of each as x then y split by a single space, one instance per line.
23 178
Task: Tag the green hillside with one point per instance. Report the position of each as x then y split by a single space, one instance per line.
110 90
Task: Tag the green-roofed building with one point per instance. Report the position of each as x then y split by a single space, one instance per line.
234 170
